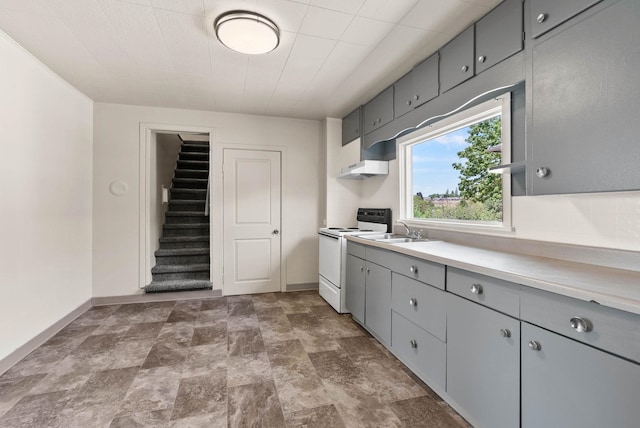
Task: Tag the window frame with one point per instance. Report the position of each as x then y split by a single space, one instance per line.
485 110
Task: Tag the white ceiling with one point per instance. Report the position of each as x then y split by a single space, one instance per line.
333 55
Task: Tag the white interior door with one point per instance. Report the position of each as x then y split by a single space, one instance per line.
252 204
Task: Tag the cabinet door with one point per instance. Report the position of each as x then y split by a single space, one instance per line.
457 60
354 287
403 95
547 14
351 127
378 301
379 111
483 363
499 34
425 81
568 384
586 97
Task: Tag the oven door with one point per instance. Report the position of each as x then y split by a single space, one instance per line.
330 258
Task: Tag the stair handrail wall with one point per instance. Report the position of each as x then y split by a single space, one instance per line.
206 202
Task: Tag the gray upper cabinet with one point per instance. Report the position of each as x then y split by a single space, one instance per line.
417 87
499 34
483 363
351 126
548 14
457 60
379 111
569 384
583 124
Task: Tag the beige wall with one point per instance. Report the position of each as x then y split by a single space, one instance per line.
45 259
116 157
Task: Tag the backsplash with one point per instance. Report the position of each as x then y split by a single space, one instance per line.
609 220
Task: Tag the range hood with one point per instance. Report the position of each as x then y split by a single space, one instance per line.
365 168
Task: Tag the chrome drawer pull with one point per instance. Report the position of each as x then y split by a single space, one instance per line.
534 346
413 302
476 289
413 344
504 332
580 324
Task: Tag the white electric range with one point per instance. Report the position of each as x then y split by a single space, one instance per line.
333 252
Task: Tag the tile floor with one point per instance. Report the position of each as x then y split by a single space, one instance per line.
270 360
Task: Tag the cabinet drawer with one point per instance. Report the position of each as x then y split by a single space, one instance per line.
422 270
423 353
548 14
457 60
612 330
355 249
378 111
495 293
499 34
421 304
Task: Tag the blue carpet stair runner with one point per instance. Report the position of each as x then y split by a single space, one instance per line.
183 259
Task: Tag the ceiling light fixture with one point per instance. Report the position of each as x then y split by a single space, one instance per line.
247 32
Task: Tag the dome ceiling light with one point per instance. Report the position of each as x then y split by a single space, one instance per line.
247 32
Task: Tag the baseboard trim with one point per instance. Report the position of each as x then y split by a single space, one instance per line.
303 286
156 297
13 358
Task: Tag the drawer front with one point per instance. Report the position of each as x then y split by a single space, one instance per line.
355 249
494 293
609 329
420 270
421 304
423 353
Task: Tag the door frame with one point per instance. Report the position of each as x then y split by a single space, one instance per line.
217 212
144 188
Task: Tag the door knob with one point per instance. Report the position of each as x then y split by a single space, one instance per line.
275 232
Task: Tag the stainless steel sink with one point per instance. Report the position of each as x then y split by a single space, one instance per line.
392 238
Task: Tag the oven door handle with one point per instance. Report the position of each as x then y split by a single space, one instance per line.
329 236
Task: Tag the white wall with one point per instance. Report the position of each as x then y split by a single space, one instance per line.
607 220
342 195
116 157
46 134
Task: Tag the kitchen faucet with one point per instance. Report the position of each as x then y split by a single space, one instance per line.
408 230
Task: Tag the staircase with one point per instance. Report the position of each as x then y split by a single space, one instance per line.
182 261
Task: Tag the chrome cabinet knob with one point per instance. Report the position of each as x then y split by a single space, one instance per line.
541 18
505 332
534 346
413 269
580 324
368 271
409 102
482 58
476 289
361 268
465 68
413 302
275 232
416 97
413 344
373 123
542 172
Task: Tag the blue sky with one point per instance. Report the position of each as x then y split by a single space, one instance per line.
432 170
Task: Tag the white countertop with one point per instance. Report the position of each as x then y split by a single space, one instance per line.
615 288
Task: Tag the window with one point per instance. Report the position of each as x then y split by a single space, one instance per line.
444 169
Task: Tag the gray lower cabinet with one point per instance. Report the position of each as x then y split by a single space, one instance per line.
583 126
483 363
548 14
457 60
377 314
499 34
354 287
571 385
